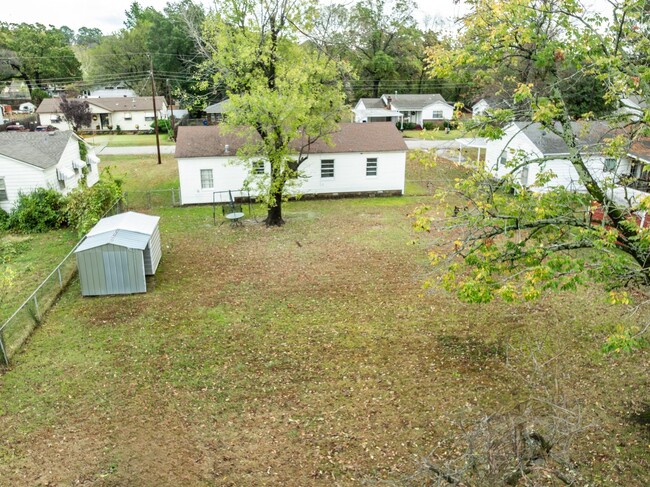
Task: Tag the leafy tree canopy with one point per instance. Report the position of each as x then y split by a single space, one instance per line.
510 239
286 92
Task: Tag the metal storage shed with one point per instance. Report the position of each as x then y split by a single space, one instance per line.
118 253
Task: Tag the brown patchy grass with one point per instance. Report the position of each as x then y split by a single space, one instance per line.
299 356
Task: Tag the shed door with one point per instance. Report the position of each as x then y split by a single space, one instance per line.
116 269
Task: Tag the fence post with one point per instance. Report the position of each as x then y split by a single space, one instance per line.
38 313
5 358
58 270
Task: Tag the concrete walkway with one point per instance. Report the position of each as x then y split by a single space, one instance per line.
133 150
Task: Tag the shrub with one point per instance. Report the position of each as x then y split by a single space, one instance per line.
4 219
164 126
408 126
38 211
429 126
86 206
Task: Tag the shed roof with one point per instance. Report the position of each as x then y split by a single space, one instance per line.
40 149
121 238
130 229
591 136
210 141
114 104
131 221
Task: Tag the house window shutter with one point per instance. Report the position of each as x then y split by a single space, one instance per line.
327 168
3 190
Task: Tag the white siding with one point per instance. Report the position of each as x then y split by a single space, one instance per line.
427 112
480 107
349 175
514 143
19 177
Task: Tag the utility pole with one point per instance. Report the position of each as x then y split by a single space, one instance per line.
171 107
155 110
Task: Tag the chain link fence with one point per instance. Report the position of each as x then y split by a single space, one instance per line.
20 325
147 200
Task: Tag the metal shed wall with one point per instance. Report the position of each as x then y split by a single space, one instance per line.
153 252
111 269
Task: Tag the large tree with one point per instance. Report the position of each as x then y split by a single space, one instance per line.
289 94
38 54
512 242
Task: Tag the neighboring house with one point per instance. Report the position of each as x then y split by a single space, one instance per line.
489 103
416 109
130 114
360 159
526 140
634 105
30 160
373 110
217 111
111 91
27 107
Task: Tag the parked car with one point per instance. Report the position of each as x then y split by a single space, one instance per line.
16 127
45 128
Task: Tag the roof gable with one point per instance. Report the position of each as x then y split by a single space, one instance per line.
413 102
591 136
115 104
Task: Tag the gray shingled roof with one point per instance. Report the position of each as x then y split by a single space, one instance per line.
591 136
351 137
40 149
373 103
220 107
117 104
414 102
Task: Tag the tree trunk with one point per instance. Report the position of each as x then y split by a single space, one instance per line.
375 88
274 215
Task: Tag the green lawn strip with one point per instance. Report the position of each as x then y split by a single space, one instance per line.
32 258
128 140
142 172
437 134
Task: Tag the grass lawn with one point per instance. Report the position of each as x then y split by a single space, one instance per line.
127 140
302 355
437 134
142 172
31 258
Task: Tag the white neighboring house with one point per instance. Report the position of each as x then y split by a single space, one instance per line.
31 160
135 113
634 105
531 141
369 110
413 108
361 158
27 107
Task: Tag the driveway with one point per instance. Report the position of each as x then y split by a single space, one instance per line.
134 150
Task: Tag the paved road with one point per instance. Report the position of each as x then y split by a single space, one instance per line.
137 150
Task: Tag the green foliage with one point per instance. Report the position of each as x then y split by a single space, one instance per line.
4 219
164 126
38 53
286 91
38 95
86 206
38 211
625 339
83 150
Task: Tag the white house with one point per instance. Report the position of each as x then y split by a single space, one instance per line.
634 106
216 111
27 107
109 91
30 160
413 108
135 113
360 158
526 140
373 110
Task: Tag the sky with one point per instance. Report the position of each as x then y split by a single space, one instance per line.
109 15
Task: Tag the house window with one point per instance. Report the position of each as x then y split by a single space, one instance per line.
127 116
207 182
3 190
502 160
437 115
148 117
55 118
258 167
327 168
610 164
371 166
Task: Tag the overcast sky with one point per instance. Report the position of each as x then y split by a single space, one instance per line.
109 15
